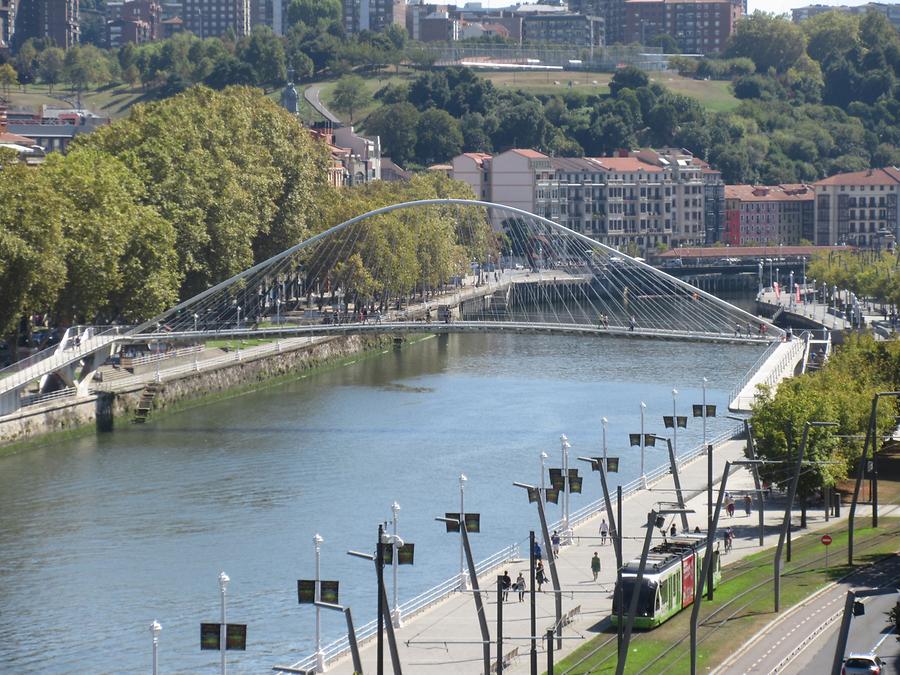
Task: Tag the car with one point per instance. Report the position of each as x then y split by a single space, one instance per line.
862 664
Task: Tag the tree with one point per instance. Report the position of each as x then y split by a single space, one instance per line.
31 252
8 77
771 41
235 174
666 43
439 137
85 65
51 65
313 12
629 77
350 95
396 125
263 51
26 62
830 32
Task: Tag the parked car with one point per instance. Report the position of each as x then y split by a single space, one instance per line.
862 664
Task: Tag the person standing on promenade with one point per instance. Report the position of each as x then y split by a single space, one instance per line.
748 504
595 565
505 583
520 587
604 530
554 541
539 577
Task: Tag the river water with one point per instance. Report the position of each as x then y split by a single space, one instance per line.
103 534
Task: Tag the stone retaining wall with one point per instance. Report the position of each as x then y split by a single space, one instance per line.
66 415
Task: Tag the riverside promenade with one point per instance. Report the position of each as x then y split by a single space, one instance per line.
446 637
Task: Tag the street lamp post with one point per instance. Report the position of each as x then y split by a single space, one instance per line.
674 421
320 655
673 465
155 629
643 475
463 584
564 449
544 457
351 633
395 612
604 422
707 572
792 491
196 351
223 586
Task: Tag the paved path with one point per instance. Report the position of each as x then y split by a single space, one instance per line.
780 364
810 310
311 94
427 642
803 639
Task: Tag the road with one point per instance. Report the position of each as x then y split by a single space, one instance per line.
803 639
311 94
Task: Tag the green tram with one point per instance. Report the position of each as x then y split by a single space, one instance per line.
670 580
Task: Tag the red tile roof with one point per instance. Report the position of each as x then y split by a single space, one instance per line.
530 154
479 157
868 177
769 193
7 137
626 164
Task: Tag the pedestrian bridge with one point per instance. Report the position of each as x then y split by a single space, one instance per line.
428 266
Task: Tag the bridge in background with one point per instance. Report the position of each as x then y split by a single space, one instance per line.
428 266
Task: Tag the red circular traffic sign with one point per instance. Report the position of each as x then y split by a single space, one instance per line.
826 539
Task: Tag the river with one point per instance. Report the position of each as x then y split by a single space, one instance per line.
102 534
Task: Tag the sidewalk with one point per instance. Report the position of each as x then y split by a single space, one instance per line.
429 643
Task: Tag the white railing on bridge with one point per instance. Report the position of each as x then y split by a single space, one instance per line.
340 647
132 361
788 361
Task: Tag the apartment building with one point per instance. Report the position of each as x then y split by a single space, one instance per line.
56 19
7 22
858 208
213 18
646 198
564 29
373 15
698 26
759 215
135 21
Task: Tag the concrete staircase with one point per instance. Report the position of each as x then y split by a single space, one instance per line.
142 412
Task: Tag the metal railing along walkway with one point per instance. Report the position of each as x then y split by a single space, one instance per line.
340 647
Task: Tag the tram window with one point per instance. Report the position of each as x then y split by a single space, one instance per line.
646 597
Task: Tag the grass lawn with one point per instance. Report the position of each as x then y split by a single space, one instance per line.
233 345
114 100
712 95
717 639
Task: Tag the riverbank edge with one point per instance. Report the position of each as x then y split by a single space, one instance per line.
78 418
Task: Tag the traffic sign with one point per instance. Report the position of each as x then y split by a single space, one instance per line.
826 539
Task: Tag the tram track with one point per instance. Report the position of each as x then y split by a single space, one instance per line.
710 624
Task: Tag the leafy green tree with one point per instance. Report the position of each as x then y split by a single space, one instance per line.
235 174
666 43
8 77
32 270
313 12
397 126
52 64
438 137
84 66
26 62
350 95
771 41
629 77
263 51
830 32
430 90
120 255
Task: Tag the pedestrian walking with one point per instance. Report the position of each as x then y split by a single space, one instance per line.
730 533
727 541
554 541
631 322
673 530
539 577
520 586
748 504
604 530
595 565
537 552
505 583
730 508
